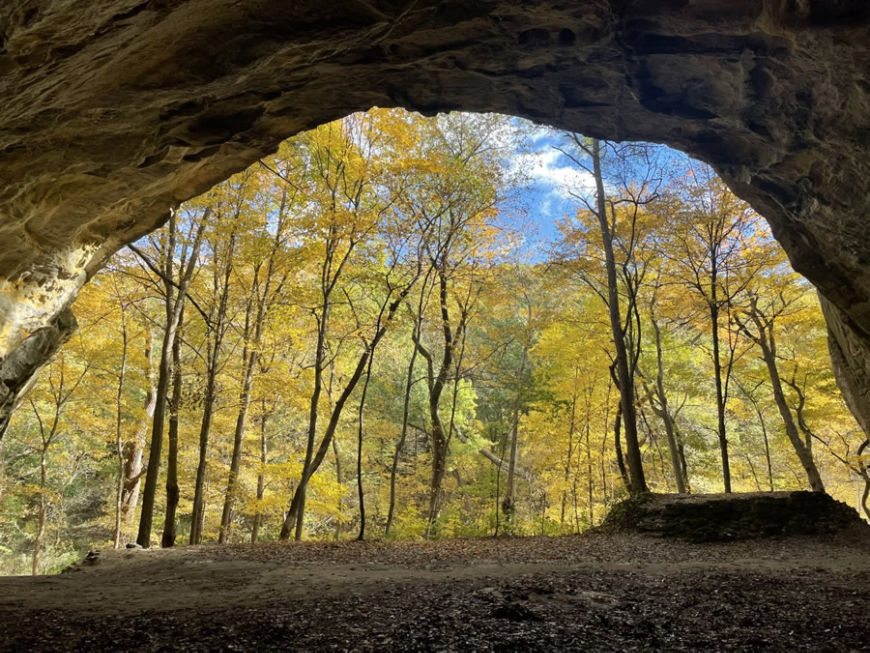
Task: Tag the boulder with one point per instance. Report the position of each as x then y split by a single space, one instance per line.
738 516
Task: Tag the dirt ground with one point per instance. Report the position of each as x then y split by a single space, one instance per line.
596 592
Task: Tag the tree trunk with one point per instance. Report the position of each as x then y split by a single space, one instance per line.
119 440
250 355
766 449
763 423
339 479
134 449
590 484
664 410
436 383
169 526
507 504
637 482
133 452
359 453
684 466
173 316
754 473
439 464
508 500
197 518
864 472
215 338
804 455
298 513
406 406
617 447
238 437
720 397
261 475
155 450
235 464
569 457
297 504
768 350
40 521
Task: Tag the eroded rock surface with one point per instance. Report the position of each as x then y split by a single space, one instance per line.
728 517
114 112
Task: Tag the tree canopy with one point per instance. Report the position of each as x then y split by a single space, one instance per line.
354 338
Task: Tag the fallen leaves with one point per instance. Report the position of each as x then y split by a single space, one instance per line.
591 593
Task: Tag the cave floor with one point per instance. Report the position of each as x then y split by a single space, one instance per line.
593 592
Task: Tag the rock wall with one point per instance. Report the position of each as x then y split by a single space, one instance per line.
114 112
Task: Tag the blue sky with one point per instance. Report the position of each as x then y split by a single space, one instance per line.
551 178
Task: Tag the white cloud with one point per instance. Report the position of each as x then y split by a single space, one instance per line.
549 168
536 133
546 209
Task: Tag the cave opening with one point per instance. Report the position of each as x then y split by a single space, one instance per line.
132 112
503 212
117 113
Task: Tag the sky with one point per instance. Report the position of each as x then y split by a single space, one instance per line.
552 177
550 184
553 180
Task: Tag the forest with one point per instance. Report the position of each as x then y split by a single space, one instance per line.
363 336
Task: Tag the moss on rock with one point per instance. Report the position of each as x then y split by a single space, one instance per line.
724 517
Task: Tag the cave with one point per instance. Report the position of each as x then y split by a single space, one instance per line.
116 112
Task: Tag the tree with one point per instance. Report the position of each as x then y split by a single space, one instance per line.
184 261
758 323
61 393
172 492
708 249
519 302
423 300
514 424
458 198
350 214
221 243
750 395
617 213
659 399
265 282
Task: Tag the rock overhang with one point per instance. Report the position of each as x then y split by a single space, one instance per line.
117 111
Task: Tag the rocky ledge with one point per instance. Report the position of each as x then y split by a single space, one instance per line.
724 517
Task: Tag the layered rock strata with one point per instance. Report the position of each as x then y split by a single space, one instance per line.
113 112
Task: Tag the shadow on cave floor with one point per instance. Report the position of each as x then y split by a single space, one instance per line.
619 591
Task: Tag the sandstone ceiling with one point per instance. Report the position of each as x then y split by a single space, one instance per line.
114 111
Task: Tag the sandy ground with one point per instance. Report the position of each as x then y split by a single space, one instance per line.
597 592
